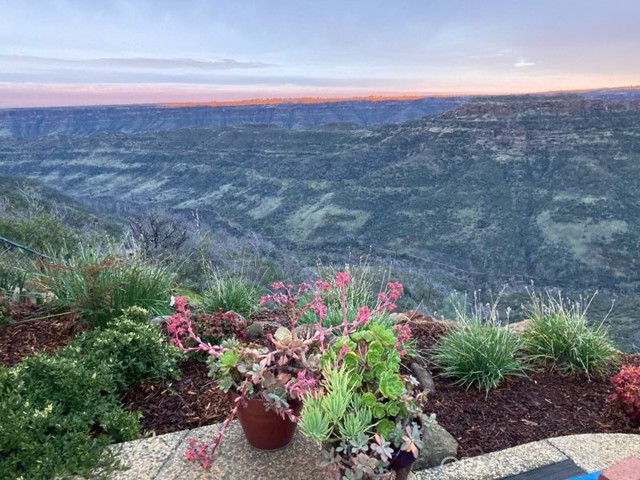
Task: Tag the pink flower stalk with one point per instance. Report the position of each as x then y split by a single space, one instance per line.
385 303
363 315
403 333
203 452
343 351
322 285
342 279
180 328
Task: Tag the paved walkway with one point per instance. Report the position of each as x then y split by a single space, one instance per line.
162 458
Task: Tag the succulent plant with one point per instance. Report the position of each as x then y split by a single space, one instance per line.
362 393
366 410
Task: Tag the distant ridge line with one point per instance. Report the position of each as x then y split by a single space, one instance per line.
305 100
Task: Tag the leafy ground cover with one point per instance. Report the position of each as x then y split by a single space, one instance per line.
539 405
61 408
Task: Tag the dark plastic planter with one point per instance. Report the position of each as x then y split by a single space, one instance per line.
265 430
401 464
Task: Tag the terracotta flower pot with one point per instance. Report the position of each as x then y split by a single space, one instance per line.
265 429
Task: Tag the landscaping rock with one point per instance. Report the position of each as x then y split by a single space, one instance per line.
160 319
424 377
418 317
255 330
518 327
258 329
304 331
440 446
399 318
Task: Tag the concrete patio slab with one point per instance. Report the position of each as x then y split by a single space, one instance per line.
595 452
235 459
143 459
162 458
498 464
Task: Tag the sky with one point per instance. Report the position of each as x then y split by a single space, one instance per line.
73 52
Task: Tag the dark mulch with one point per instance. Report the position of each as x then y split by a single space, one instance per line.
522 410
34 329
192 401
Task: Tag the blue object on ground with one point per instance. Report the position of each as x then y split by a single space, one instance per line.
589 476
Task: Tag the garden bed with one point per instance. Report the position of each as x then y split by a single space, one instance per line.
521 410
32 329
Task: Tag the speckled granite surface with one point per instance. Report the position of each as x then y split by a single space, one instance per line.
162 458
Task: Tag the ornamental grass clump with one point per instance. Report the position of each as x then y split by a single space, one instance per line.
286 366
559 337
101 286
478 351
230 292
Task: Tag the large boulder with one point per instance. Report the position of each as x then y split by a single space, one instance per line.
439 445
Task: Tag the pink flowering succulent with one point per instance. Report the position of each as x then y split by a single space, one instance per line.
287 367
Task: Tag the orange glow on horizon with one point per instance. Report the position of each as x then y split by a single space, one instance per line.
275 101
372 98
13 95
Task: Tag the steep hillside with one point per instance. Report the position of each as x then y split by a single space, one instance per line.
30 201
535 187
84 121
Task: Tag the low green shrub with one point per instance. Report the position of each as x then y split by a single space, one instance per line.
57 417
230 292
60 411
100 287
131 348
559 337
41 232
479 353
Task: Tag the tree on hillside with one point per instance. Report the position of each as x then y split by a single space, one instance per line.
158 232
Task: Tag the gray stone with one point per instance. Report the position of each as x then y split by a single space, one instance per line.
595 452
496 465
424 377
143 459
439 445
399 317
255 330
159 319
